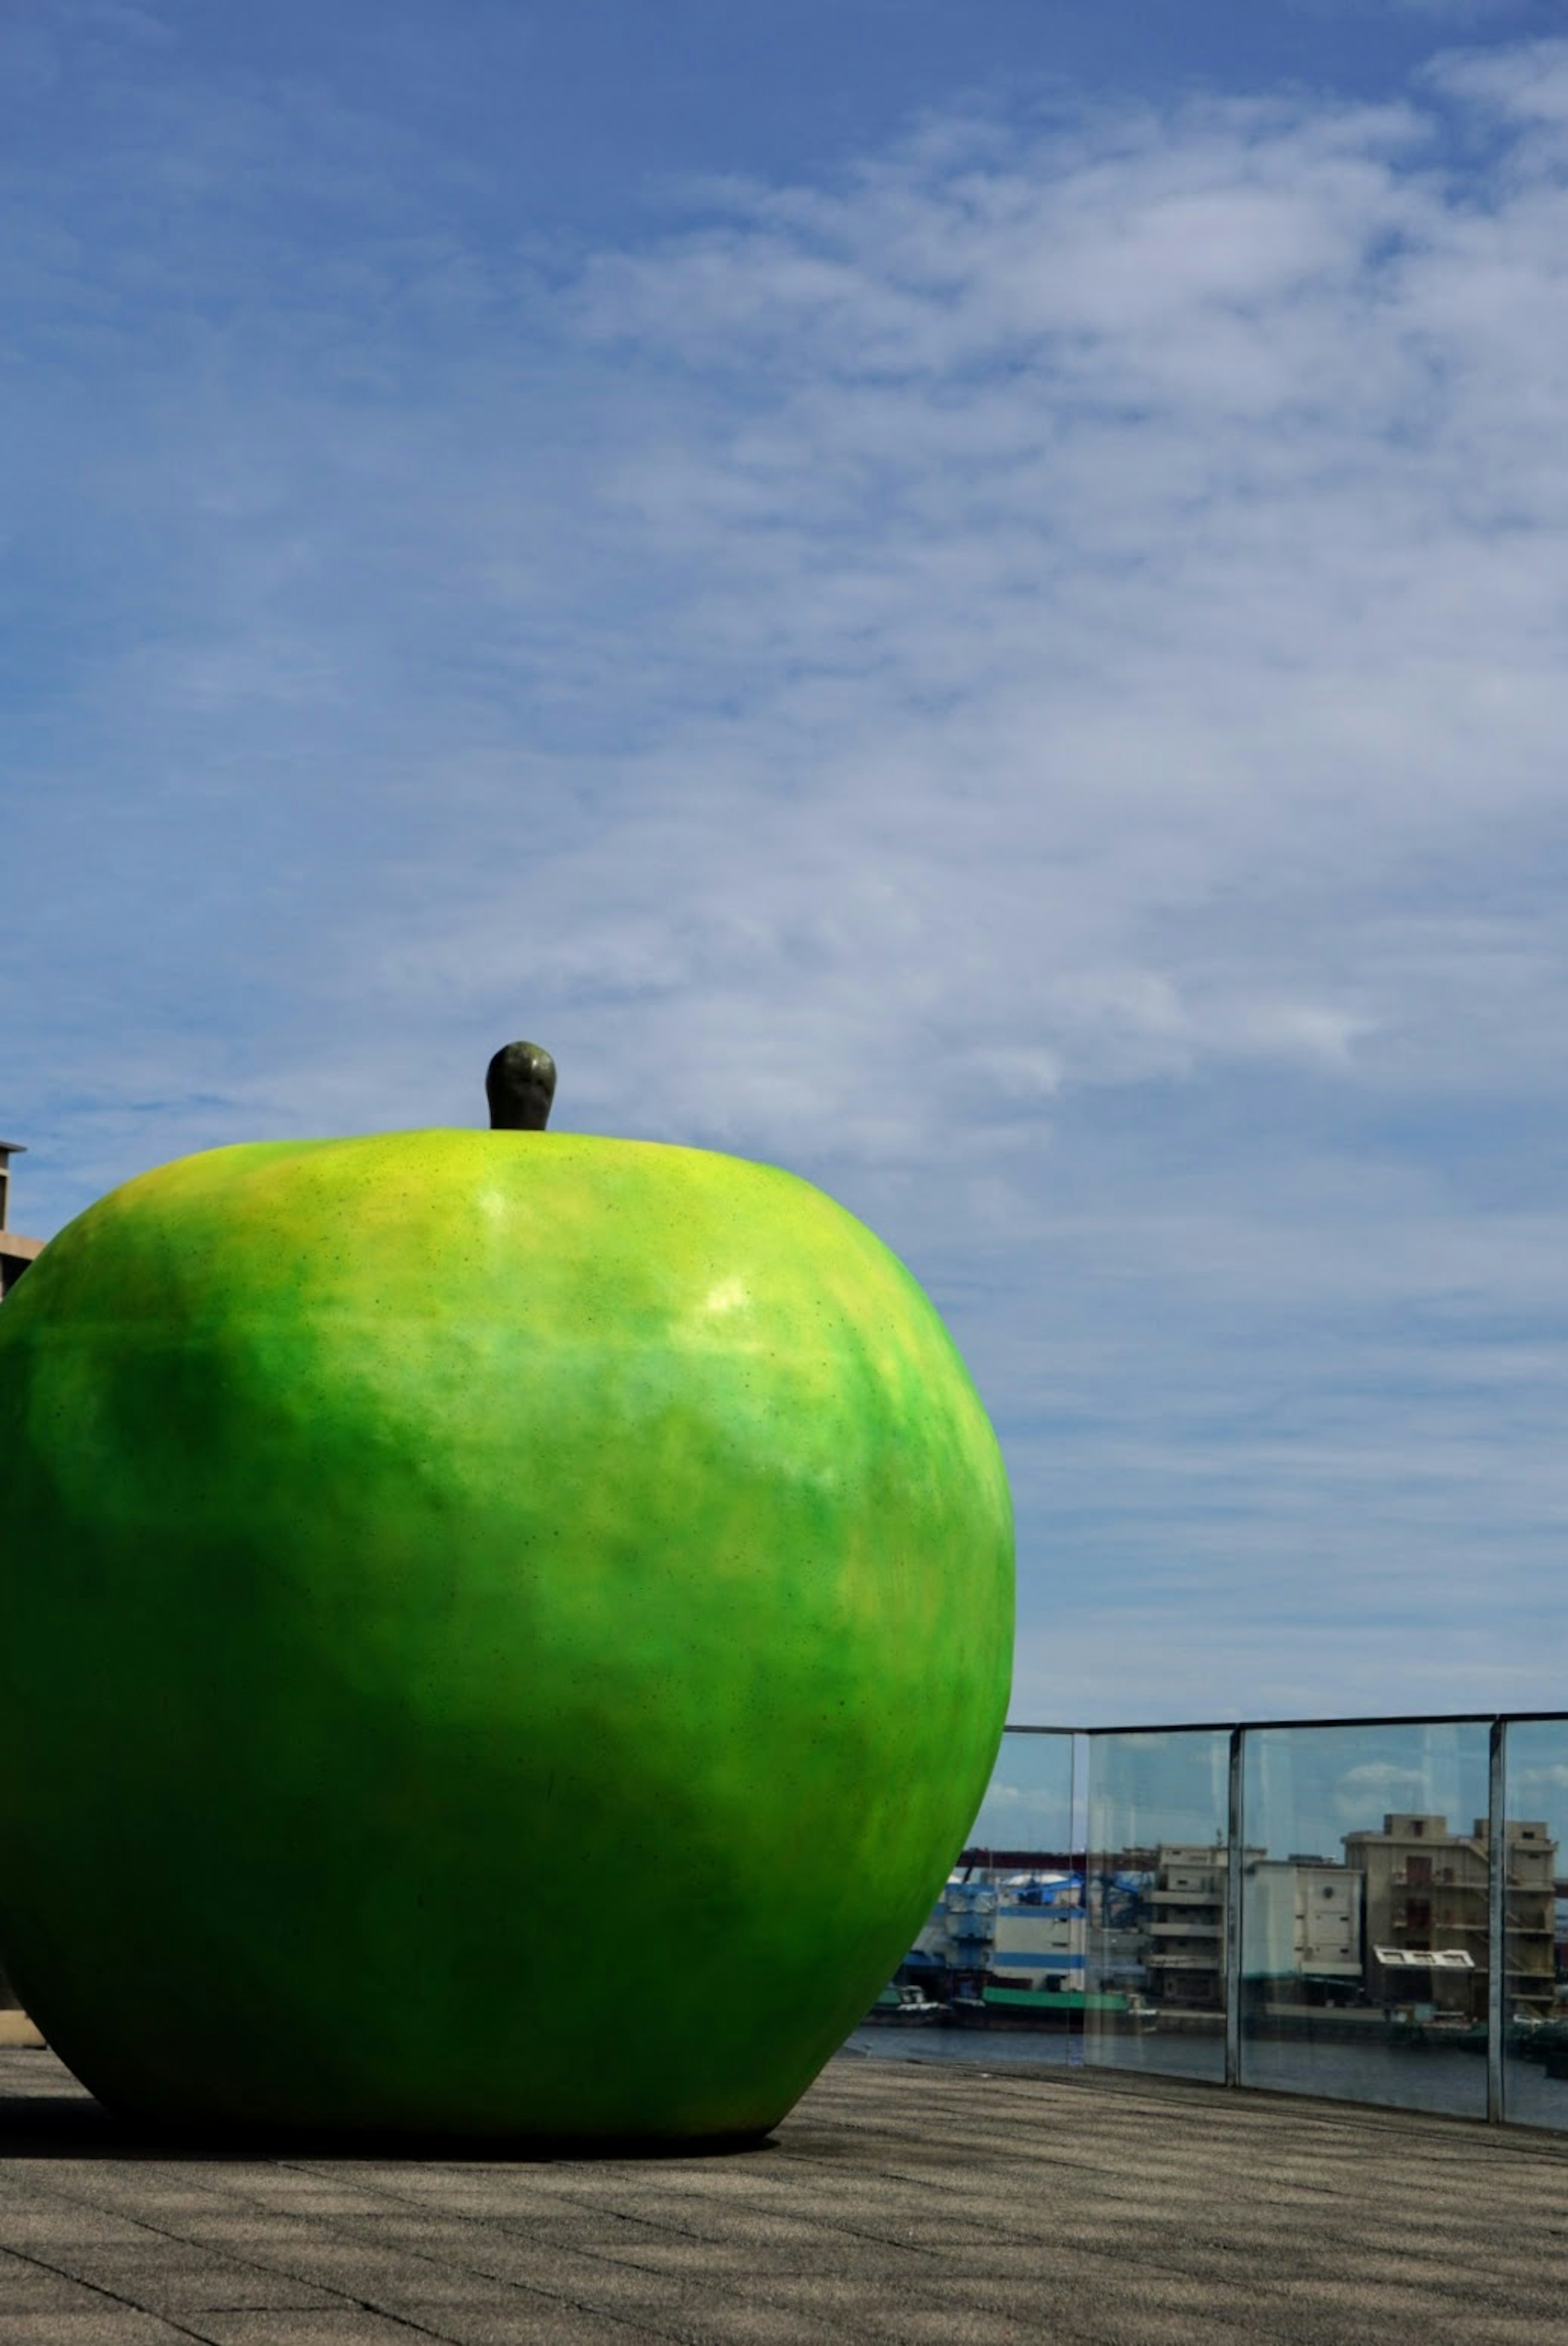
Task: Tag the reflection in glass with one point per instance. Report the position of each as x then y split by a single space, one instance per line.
1027 1811
1535 1922
1364 1970
1002 1952
1012 1912
1158 1813
1364 1914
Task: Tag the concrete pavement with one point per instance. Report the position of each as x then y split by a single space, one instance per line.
898 2203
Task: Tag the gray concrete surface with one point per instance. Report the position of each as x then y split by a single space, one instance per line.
898 2203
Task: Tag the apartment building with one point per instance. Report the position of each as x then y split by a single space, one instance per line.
1187 1927
1426 1916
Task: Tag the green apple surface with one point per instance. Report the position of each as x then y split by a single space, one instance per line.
503 1634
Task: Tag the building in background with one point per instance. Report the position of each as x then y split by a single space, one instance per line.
1187 1927
15 1251
1301 1931
1426 1916
1024 1930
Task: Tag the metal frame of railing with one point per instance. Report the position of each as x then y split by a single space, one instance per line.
1497 1724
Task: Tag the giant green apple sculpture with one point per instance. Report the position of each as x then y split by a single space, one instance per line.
501 1633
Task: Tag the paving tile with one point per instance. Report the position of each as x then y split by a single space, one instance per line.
371 2275
424 2232
43 2226
746 2322
557 2323
352 2326
171 2277
1498 2330
26 2284
290 2192
892 2311
109 2325
722 2261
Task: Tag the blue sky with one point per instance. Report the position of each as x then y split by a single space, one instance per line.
968 600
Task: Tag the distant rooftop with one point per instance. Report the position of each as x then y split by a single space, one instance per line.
15 1251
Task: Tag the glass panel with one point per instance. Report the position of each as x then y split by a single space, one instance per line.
1025 1820
1364 1914
997 1972
1535 1923
1158 1813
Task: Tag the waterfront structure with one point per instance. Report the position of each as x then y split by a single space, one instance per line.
1187 1926
960 1934
1303 1927
1041 1933
1426 1916
15 1251
1012 1945
1027 1931
1302 1930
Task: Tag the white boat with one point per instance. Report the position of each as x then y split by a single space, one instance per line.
906 2007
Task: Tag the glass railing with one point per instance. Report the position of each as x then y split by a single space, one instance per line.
1154 1917
1528 1922
1370 1910
1363 1912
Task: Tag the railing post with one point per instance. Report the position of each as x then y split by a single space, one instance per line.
1496 1916
1078 1860
1237 1832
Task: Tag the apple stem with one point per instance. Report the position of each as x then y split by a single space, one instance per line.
520 1084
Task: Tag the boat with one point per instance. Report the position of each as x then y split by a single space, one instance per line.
905 2007
1033 2007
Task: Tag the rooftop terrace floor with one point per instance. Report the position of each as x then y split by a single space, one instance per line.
897 2202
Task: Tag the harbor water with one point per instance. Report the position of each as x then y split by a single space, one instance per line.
1424 2078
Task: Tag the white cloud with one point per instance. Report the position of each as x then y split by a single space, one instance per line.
1526 82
